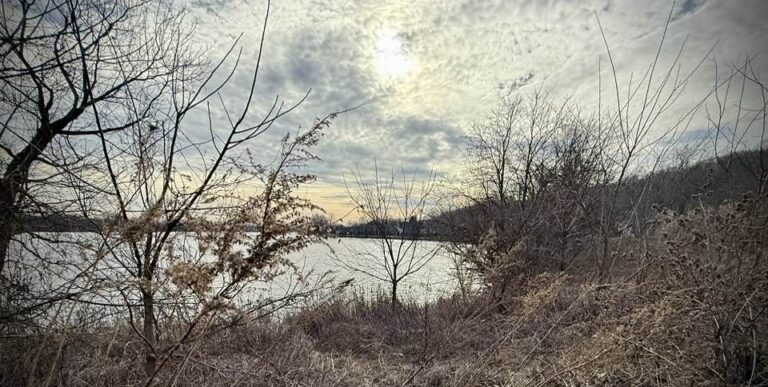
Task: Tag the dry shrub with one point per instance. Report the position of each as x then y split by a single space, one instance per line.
368 325
97 357
700 321
691 313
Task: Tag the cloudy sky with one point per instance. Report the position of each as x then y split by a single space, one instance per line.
426 69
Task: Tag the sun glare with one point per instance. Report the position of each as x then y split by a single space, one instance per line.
390 57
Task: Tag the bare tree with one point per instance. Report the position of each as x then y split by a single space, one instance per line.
62 60
577 170
505 148
168 191
738 113
508 161
149 174
394 208
644 134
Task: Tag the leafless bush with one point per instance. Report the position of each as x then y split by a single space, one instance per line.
697 317
394 207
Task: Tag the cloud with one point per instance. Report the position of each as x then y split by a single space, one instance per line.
687 7
466 55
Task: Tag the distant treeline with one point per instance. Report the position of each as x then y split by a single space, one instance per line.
425 229
62 223
680 187
73 223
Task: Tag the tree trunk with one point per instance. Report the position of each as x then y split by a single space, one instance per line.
9 224
5 241
150 358
15 178
394 293
497 296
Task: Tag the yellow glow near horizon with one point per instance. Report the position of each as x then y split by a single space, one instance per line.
390 57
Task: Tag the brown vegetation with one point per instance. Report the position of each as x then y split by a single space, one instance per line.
692 312
575 266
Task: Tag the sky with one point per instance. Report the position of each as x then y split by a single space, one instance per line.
424 70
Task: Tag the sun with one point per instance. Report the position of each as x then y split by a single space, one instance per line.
390 58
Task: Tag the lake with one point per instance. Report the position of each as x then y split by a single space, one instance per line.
433 280
50 263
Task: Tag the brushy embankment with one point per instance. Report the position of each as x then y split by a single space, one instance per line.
688 310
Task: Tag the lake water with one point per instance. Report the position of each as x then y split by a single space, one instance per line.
50 262
430 282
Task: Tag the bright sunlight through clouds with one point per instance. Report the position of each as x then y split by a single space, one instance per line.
390 56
